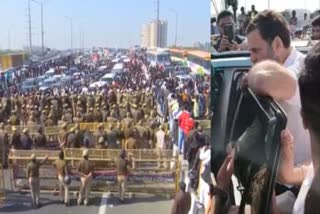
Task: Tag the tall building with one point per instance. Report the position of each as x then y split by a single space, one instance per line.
145 35
149 36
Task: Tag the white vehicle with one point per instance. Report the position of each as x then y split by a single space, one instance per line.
159 57
183 78
102 68
126 60
107 79
117 68
50 72
116 60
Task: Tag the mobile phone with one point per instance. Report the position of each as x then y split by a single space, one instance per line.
228 31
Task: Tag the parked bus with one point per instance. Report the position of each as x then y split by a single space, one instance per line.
159 57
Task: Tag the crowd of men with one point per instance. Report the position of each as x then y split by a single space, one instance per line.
307 28
145 109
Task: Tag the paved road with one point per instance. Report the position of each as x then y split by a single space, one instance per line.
99 204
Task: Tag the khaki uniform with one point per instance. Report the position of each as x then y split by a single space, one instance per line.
50 122
63 137
131 143
77 120
104 114
127 122
85 167
61 167
97 116
122 112
89 117
122 175
34 181
4 147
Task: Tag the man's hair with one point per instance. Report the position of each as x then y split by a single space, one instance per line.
309 86
122 154
223 14
316 21
182 186
271 24
213 20
196 124
61 155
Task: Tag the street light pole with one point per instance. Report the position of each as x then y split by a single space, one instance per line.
42 31
30 34
176 27
71 36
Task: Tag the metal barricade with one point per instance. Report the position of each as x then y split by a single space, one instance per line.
153 171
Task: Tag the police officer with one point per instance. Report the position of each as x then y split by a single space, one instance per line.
33 178
131 142
100 144
62 173
3 144
40 140
101 132
85 170
122 164
50 121
63 137
26 140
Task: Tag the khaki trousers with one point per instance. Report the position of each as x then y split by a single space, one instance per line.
122 184
63 187
84 190
35 190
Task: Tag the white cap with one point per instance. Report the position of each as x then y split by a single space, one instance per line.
85 152
33 156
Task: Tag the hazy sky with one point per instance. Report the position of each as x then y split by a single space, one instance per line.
113 23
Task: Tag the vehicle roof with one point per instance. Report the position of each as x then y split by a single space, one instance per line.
29 79
118 66
231 59
183 76
109 75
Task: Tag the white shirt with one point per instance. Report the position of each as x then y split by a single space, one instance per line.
205 155
84 90
304 189
161 143
292 107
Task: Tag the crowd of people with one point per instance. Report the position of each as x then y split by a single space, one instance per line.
292 79
307 28
144 109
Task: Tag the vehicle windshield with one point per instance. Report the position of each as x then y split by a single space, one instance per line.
107 79
28 83
163 58
48 83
